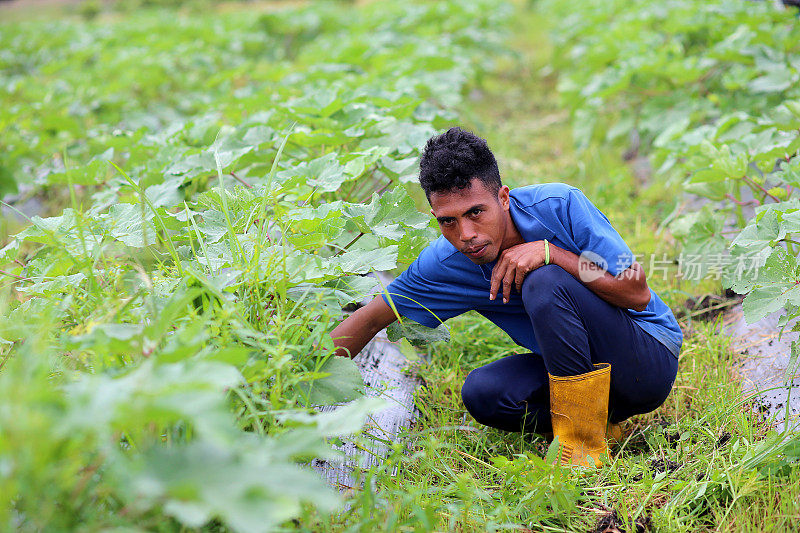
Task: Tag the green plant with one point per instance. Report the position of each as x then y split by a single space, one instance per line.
228 193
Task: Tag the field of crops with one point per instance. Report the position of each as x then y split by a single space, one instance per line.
216 180
221 175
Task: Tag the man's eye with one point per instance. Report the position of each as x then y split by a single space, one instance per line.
446 222
476 212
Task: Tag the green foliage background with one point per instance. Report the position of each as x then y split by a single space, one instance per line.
221 181
231 177
711 91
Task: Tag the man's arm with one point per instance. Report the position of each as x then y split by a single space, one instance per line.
628 289
355 331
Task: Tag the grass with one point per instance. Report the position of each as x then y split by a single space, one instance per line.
703 461
686 466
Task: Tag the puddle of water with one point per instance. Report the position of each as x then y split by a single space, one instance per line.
763 364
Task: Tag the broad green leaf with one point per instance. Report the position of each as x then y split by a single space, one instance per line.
778 79
201 481
339 380
340 422
777 284
132 224
419 335
363 261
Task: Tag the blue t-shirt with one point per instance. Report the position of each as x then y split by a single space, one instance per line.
443 282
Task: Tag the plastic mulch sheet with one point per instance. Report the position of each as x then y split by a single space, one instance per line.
383 368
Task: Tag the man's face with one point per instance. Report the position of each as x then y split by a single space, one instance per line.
474 220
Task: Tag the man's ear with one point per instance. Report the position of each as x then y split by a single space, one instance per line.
502 196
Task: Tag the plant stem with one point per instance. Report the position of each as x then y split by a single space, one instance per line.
240 180
759 187
12 275
349 244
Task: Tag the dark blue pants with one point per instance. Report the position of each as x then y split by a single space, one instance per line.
575 328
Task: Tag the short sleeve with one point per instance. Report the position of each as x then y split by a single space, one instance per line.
593 234
422 295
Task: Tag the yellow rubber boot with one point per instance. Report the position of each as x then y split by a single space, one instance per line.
579 412
614 435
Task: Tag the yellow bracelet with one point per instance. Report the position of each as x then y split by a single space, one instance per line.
546 252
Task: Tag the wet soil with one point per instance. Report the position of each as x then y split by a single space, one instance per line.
723 439
708 307
611 523
658 466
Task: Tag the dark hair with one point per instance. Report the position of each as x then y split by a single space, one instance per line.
451 160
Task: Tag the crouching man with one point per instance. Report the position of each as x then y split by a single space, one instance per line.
546 266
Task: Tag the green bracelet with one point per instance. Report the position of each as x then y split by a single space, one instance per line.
546 252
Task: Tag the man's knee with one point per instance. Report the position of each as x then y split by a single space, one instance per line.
626 400
480 394
541 286
620 409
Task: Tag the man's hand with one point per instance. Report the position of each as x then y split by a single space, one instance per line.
357 330
513 265
628 289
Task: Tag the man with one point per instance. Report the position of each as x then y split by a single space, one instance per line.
547 267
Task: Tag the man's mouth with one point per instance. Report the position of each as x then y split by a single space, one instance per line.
476 251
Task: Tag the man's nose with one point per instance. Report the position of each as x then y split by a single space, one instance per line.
467 231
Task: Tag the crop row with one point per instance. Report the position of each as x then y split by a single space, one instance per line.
231 179
710 91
